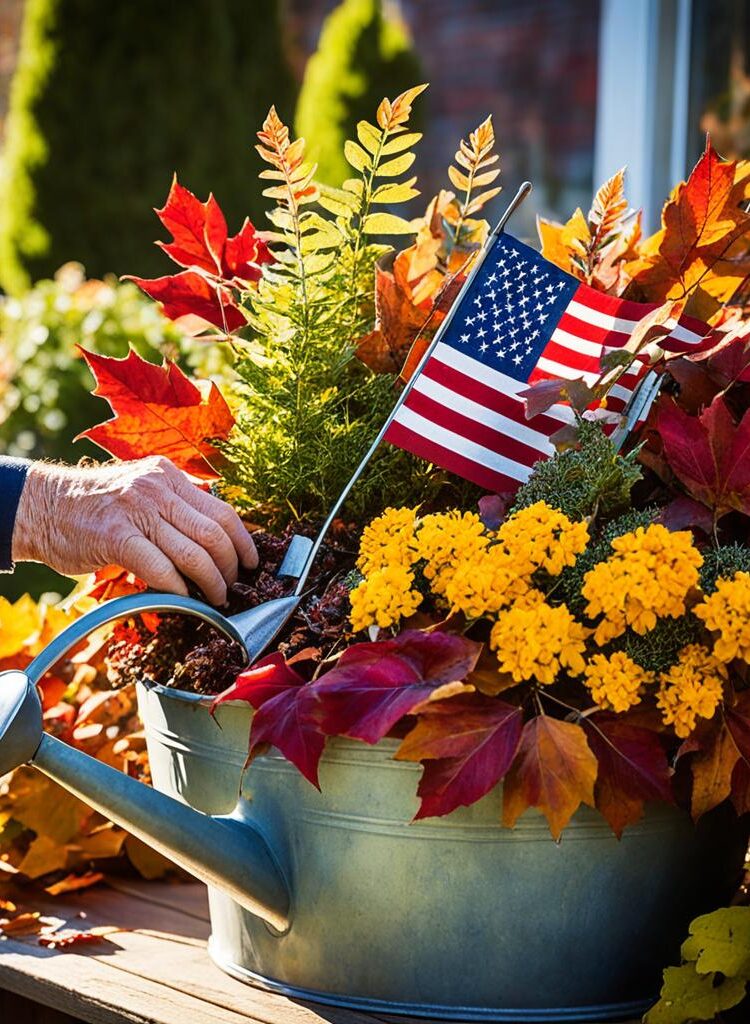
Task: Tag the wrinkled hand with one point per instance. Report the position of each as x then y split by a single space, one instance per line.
145 516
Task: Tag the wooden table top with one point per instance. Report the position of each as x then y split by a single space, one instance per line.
155 971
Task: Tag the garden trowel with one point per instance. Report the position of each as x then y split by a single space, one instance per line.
254 629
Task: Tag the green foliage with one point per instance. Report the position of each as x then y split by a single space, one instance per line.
45 387
725 562
108 101
715 971
590 480
308 409
362 55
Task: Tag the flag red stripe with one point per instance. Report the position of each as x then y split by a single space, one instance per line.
479 433
485 395
421 446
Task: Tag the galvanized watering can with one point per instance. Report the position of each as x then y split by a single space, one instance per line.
335 898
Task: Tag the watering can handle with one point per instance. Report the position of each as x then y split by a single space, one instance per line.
122 608
228 851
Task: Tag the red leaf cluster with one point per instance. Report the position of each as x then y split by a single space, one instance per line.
217 266
467 741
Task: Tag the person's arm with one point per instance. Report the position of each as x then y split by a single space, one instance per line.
144 515
12 479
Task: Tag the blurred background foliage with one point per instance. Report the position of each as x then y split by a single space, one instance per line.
362 56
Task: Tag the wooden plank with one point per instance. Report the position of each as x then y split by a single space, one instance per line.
155 972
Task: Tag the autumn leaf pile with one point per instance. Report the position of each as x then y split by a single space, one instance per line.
46 834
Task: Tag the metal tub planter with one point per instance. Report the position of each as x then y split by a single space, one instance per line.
333 896
451 917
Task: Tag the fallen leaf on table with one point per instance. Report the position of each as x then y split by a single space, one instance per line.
71 883
23 924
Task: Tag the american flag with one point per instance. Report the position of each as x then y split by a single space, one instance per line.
520 320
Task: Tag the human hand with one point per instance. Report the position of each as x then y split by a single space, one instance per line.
144 515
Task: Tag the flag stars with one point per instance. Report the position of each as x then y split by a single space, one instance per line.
550 288
469 321
518 360
560 285
465 339
481 315
478 300
481 332
483 347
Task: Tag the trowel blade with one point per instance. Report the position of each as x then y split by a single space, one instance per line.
259 626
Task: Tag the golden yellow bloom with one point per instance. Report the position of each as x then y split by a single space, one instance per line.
691 689
486 584
388 540
542 537
616 682
533 640
383 598
649 576
448 541
727 612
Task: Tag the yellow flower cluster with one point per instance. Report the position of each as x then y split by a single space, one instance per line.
534 640
648 577
691 689
448 541
388 540
486 585
384 597
727 612
616 682
542 537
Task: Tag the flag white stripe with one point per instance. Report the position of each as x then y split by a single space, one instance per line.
469 449
591 315
576 344
480 414
477 370
604 320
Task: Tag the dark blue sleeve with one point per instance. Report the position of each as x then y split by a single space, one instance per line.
12 478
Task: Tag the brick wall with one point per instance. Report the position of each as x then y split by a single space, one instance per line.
532 64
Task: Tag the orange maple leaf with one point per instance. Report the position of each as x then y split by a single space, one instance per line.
158 411
703 247
554 770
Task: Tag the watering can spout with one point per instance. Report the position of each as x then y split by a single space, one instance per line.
226 852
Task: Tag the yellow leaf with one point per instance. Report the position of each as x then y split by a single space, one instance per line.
554 248
44 855
145 860
369 136
398 165
400 143
395 192
387 224
19 623
458 179
357 156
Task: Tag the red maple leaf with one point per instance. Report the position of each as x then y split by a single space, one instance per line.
709 454
376 684
158 411
287 721
266 679
466 744
193 294
200 238
217 266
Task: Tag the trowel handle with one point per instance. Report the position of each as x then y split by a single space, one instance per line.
122 608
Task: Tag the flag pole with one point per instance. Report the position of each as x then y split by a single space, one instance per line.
638 407
515 202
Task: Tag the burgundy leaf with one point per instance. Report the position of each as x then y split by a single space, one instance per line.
633 768
376 684
266 679
467 744
287 722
